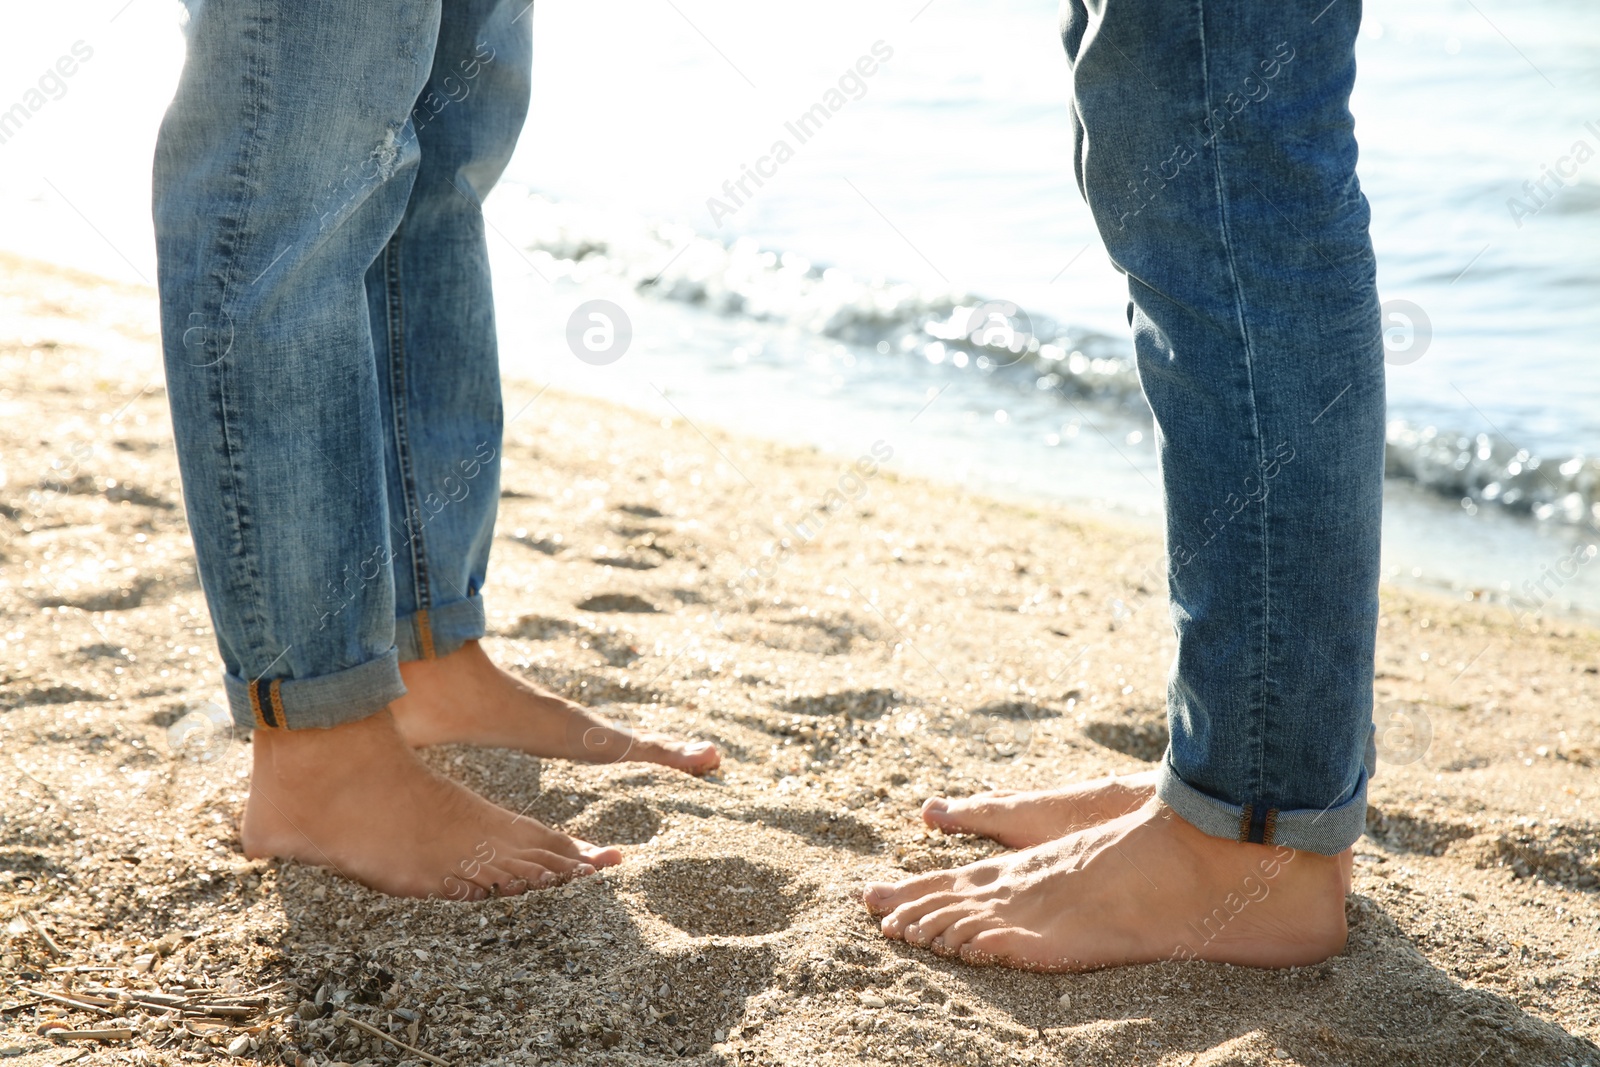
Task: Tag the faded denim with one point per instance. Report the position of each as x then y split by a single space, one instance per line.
1215 147
329 334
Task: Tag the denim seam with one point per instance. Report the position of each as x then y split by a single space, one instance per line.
236 223
1255 416
399 405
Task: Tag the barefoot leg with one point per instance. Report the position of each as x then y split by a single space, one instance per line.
357 374
1272 471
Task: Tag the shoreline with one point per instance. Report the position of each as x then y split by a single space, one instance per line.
924 640
1001 433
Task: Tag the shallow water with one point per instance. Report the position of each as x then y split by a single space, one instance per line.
715 359
946 177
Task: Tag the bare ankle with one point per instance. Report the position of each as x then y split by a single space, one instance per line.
296 770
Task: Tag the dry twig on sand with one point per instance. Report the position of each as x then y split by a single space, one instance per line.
341 1017
79 1005
43 934
116 1034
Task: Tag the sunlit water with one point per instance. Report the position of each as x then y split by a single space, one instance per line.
945 177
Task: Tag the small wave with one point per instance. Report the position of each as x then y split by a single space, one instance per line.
1485 471
742 278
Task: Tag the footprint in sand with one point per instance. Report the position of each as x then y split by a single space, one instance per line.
724 896
626 602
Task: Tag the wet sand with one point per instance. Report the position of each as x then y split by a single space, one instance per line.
923 641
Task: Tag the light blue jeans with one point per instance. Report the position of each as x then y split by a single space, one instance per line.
1215 147
329 334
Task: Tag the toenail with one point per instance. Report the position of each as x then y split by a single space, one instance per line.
936 805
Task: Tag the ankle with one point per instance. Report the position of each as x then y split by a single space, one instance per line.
1257 871
316 757
467 658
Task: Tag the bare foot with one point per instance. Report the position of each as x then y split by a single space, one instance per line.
357 799
1143 887
1022 820
464 698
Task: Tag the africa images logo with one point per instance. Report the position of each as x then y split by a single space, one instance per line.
51 85
804 127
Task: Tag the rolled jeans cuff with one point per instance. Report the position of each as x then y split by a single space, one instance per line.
436 632
1328 831
318 703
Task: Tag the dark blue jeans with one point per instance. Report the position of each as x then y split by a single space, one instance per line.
1215 147
329 333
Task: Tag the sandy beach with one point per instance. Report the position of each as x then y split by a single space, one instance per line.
915 640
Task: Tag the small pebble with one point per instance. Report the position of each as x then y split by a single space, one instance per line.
1066 1000
872 1000
239 1045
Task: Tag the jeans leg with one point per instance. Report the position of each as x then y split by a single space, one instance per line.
282 167
1217 152
433 327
